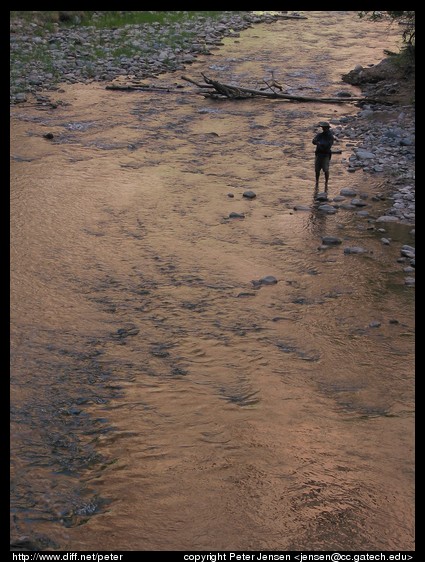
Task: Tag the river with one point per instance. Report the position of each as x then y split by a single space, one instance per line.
161 400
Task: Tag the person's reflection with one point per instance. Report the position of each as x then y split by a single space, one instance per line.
316 222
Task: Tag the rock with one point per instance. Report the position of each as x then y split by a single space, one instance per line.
407 254
387 218
347 191
268 280
323 196
331 240
364 154
301 208
249 194
329 209
358 202
354 250
128 330
20 97
407 248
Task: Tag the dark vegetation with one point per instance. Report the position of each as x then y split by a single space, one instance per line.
393 79
105 19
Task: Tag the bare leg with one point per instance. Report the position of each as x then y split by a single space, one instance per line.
317 170
326 180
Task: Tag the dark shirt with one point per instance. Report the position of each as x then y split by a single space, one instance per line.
323 142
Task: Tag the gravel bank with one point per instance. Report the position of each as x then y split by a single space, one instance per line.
39 58
382 142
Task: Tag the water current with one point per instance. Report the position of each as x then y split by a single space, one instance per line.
161 400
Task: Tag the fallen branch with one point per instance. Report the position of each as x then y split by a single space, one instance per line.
196 83
126 87
236 92
290 17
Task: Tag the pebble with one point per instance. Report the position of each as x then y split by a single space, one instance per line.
331 240
354 250
267 280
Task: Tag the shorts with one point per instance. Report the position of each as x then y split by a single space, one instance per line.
322 162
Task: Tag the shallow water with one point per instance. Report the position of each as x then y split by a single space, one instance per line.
159 400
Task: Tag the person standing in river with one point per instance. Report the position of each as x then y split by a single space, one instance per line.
323 142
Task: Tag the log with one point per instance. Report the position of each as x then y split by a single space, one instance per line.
220 90
196 83
229 91
288 17
126 87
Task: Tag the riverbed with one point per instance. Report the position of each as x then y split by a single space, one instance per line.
192 368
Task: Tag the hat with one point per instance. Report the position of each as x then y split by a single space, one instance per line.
324 124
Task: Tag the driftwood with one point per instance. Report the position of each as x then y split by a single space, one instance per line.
219 90
289 17
143 87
